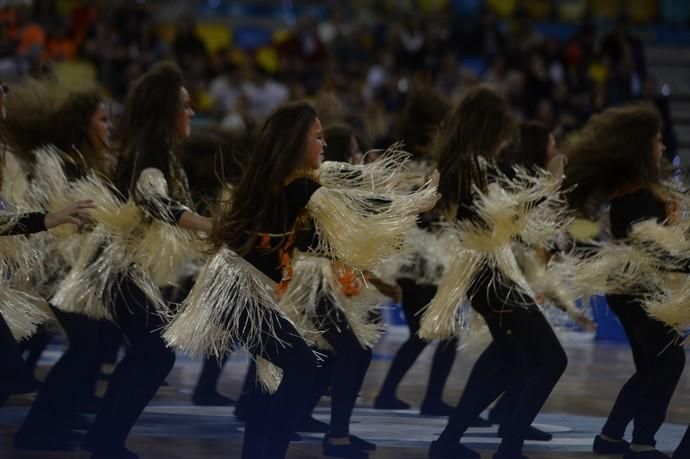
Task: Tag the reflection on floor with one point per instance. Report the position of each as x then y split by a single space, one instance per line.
173 428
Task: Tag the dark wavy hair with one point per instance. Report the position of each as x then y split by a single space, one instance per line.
339 140
36 118
531 151
213 158
477 126
259 199
147 131
421 118
612 153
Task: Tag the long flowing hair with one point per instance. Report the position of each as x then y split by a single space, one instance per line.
611 154
147 131
259 200
45 112
474 130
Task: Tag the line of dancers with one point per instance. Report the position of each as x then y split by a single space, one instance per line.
204 243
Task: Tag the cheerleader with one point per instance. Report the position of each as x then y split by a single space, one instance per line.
70 141
342 311
16 224
155 118
535 150
615 158
469 143
234 298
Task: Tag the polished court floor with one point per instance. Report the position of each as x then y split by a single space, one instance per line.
171 427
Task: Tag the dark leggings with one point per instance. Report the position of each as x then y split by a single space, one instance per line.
10 361
511 318
272 418
415 297
209 375
70 380
659 362
33 347
348 365
138 376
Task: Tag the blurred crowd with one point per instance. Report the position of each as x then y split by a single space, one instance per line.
359 64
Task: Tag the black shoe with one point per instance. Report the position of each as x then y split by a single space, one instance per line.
602 446
347 451
390 403
119 454
211 399
440 450
295 437
436 408
481 422
43 442
509 456
532 434
312 425
362 444
653 454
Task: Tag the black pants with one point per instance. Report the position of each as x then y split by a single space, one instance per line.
415 297
348 365
138 376
70 380
659 362
10 361
510 318
271 419
209 375
683 450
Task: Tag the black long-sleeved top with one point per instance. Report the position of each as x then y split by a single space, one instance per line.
275 241
28 223
632 208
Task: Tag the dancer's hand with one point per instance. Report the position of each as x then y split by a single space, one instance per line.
75 213
586 323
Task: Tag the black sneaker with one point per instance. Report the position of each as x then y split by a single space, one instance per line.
362 444
346 451
532 434
390 403
603 446
440 450
653 454
436 408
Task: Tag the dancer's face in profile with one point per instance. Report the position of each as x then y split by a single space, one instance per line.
315 145
184 117
99 131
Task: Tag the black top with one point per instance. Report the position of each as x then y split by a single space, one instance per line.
271 246
632 208
28 223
